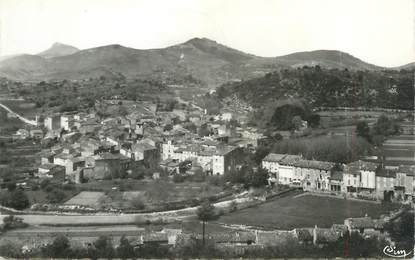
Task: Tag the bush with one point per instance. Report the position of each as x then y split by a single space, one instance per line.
12 222
44 183
68 187
56 196
16 199
216 180
137 203
48 188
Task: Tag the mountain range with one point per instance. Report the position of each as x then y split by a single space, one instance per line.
201 58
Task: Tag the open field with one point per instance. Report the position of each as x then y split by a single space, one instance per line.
87 198
400 149
155 191
305 211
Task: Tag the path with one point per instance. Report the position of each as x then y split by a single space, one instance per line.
112 219
23 119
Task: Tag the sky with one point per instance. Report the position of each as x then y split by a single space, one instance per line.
381 32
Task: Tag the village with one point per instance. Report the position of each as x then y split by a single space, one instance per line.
207 129
152 146
84 147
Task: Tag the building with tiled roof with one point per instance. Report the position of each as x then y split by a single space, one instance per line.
280 167
405 180
360 175
360 224
385 183
213 157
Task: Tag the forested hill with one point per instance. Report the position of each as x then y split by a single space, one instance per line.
321 87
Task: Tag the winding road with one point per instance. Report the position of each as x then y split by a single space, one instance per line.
23 119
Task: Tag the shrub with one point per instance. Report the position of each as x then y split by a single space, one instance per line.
56 196
137 203
44 183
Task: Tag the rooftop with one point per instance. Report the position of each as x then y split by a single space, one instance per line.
364 222
311 164
359 165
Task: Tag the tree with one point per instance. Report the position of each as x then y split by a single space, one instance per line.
167 127
122 110
10 249
363 130
385 126
206 212
203 131
125 249
402 230
137 203
56 196
256 179
104 247
297 122
12 222
18 199
11 186
60 247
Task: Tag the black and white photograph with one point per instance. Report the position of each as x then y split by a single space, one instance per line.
207 129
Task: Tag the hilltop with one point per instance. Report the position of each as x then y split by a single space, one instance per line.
201 58
57 50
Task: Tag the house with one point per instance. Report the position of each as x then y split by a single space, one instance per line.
226 159
274 238
304 235
139 129
67 122
385 183
359 176
52 122
281 167
324 236
234 238
336 181
46 157
158 238
71 163
405 180
172 234
212 157
108 165
141 151
314 175
21 134
171 166
36 133
55 173
88 127
361 225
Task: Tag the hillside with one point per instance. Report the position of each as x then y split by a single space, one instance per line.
409 66
201 58
325 58
321 87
